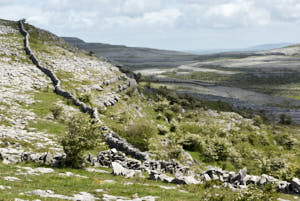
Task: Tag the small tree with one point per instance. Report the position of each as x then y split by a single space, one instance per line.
91 53
284 119
82 135
138 77
56 111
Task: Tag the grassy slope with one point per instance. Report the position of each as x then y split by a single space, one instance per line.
262 148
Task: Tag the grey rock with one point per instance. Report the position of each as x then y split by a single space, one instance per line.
206 177
295 185
185 180
120 170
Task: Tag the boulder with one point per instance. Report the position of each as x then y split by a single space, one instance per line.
185 180
160 177
120 170
295 185
283 186
239 178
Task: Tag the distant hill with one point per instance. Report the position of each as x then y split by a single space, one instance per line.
134 57
137 58
262 47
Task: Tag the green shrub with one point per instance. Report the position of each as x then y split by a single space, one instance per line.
191 143
253 193
192 128
131 91
277 164
284 119
139 135
56 111
160 107
215 151
173 128
162 130
176 108
91 53
82 135
285 140
86 98
138 77
291 172
170 115
257 120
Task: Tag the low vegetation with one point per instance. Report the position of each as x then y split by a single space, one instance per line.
212 137
83 134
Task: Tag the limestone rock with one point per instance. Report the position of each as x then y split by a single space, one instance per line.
120 170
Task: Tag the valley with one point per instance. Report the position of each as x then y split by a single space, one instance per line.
265 82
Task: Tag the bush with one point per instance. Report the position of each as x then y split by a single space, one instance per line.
170 115
91 53
82 135
215 151
191 143
162 130
253 193
257 120
86 98
285 140
173 128
176 108
291 172
56 111
284 119
131 91
138 77
139 135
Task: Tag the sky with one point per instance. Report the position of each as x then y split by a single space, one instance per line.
164 24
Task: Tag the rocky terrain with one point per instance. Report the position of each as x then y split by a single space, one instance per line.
154 144
258 80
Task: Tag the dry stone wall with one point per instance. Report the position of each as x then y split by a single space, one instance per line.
55 81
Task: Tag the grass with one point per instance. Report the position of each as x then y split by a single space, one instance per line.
5 122
48 127
44 101
71 185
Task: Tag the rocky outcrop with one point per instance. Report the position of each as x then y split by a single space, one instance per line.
55 81
241 180
177 179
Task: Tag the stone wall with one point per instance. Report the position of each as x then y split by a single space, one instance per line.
55 81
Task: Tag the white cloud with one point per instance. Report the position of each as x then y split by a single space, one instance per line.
133 7
129 17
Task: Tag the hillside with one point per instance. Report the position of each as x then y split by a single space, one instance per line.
151 143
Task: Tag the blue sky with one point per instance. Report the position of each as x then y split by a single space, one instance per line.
166 24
